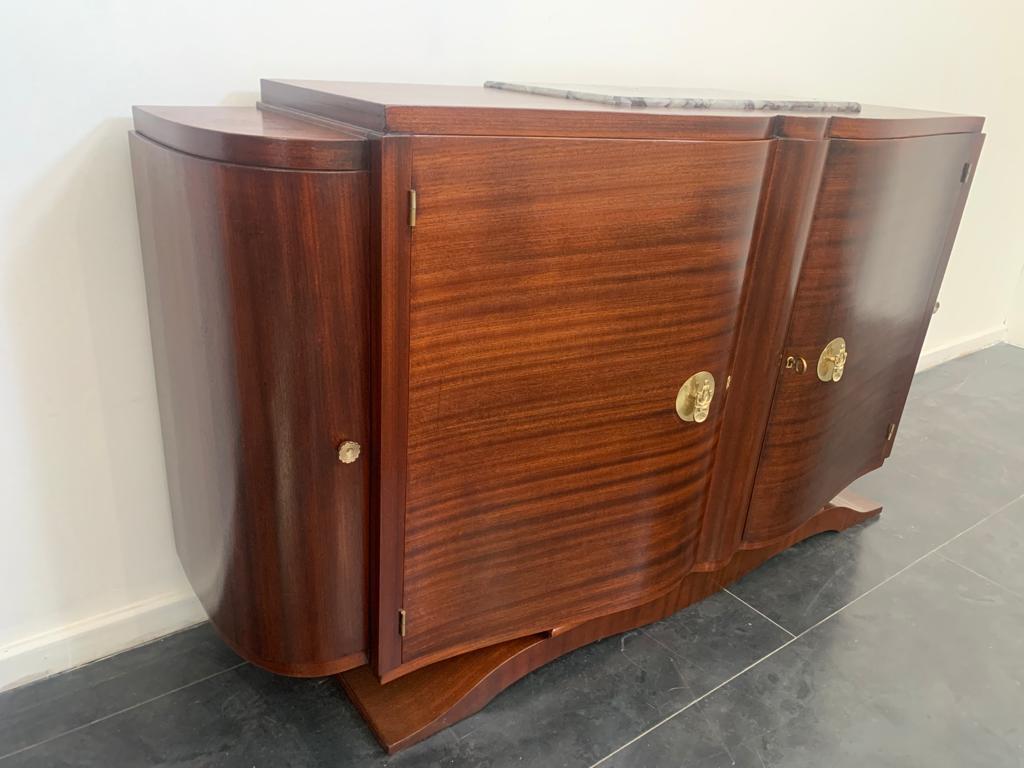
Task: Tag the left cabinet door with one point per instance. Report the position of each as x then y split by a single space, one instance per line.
560 293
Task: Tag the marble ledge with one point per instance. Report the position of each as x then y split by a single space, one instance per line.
674 98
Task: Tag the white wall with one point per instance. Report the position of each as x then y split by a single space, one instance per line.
87 563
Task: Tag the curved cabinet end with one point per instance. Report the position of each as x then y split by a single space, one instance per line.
257 288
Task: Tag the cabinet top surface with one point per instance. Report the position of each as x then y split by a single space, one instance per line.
325 125
479 110
250 136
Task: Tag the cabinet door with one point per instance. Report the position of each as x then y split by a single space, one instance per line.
884 223
560 292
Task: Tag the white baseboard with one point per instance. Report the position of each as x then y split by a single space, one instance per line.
960 347
105 634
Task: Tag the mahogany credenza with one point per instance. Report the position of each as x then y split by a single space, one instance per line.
455 380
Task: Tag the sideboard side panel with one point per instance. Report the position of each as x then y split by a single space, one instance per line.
256 283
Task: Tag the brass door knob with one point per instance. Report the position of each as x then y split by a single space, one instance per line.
832 362
348 451
694 399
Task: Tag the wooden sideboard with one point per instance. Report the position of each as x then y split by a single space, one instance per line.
454 380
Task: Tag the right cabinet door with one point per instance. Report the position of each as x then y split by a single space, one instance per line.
884 223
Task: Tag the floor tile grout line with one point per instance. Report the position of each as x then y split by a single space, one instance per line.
763 616
695 701
746 669
981 576
120 711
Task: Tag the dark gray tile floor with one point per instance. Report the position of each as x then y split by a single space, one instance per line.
897 643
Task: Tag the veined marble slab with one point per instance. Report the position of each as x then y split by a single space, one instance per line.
674 98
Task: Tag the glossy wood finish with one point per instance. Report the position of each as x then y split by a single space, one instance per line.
424 702
510 365
554 316
878 245
258 320
479 111
894 123
249 136
784 224
392 164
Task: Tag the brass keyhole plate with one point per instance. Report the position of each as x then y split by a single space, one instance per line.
693 403
796 363
832 362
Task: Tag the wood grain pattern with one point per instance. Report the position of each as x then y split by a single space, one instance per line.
257 286
554 317
478 111
392 164
895 123
251 136
418 705
510 365
784 224
878 245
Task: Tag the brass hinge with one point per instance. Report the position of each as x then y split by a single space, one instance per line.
412 207
891 433
401 622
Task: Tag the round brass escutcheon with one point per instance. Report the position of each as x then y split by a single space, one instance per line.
832 362
797 363
694 399
348 451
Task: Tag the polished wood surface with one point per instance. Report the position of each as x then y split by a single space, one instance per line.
553 318
258 322
877 248
510 364
479 111
777 256
389 343
410 709
259 137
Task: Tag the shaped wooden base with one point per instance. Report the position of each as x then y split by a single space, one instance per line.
421 703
